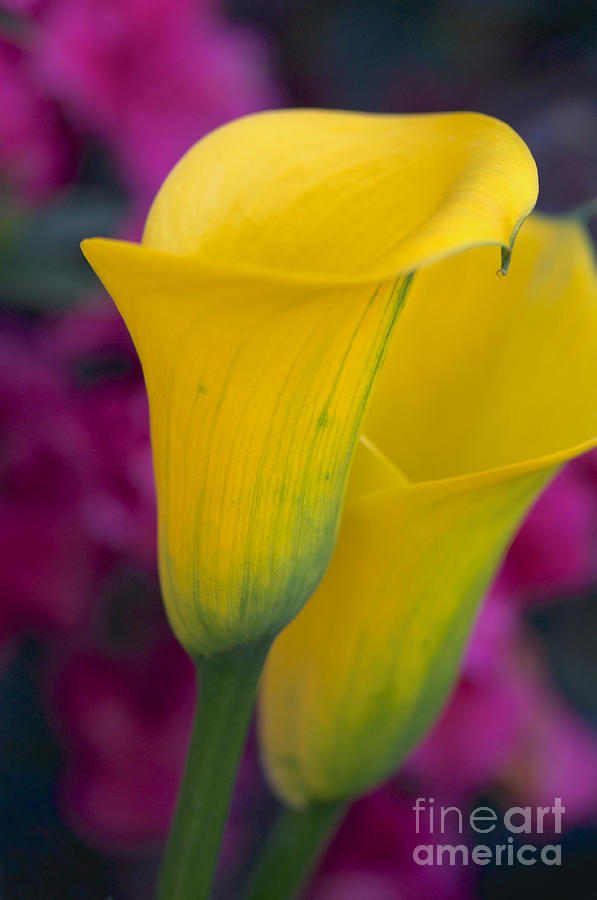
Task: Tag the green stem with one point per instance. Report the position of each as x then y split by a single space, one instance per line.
586 211
297 843
227 688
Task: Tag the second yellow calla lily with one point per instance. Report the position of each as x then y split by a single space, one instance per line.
489 386
275 260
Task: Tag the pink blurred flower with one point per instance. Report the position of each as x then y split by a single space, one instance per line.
77 492
555 550
371 857
587 464
556 757
35 152
48 571
107 399
21 7
125 727
149 81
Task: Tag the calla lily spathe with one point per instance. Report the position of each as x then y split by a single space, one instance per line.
489 386
275 261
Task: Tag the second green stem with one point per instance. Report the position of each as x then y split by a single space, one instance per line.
297 842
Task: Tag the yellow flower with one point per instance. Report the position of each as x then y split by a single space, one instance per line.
489 386
275 260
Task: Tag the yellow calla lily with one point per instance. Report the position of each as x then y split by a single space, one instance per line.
489 386
275 260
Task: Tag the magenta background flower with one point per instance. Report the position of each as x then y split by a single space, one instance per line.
77 495
371 858
107 398
556 757
556 548
49 570
20 7
125 723
126 739
149 84
35 149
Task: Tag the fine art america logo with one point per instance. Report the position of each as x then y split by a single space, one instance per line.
518 820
